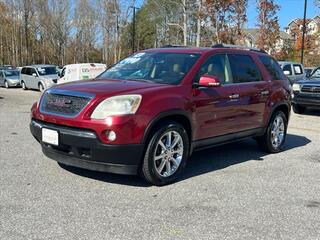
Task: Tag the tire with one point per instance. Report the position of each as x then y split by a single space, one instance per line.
268 142
41 87
6 84
23 85
176 156
298 109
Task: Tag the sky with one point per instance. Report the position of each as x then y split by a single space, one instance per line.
289 10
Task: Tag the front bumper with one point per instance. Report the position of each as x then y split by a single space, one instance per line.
306 100
13 83
82 148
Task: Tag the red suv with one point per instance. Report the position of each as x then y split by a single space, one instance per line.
150 111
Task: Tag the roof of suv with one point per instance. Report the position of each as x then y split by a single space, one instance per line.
202 50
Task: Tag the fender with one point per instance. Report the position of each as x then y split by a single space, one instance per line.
163 115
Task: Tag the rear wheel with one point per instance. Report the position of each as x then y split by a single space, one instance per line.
41 87
6 84
166 155
24 87
273 139
298 109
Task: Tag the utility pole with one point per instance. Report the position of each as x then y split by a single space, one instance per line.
303 30
134 27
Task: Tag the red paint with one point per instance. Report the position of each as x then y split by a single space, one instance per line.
210 110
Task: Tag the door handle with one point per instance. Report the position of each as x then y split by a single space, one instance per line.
265 92
234 96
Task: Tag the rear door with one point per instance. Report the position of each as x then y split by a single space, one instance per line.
251 92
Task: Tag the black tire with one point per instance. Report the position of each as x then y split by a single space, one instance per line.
265 141
6 84
298 109
23 85
148 168
41 87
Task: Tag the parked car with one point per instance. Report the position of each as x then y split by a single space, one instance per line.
38 77
150 111
306 93
294 71
9 78
8 67
83 71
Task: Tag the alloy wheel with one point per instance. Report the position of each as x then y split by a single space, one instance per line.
168 153
277 132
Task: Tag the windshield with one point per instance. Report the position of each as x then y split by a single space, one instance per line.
47 71
11 73
167 68
315 73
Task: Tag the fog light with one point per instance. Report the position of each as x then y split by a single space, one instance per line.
111 136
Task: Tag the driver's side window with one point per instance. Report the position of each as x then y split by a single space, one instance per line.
218 66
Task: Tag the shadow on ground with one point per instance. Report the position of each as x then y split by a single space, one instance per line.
201 162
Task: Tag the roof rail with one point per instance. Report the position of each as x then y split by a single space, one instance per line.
221 45
173 46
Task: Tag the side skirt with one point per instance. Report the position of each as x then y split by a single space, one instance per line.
224 139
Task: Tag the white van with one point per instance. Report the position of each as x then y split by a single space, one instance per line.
81 71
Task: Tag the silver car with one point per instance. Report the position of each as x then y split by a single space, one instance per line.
9 78
294 71
39 77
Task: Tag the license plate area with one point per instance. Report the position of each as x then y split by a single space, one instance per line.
50 136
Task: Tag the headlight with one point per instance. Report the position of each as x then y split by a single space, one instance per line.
296 87
118 105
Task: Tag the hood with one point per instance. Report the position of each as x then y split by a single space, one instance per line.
13 78
311 81
52 76
107 87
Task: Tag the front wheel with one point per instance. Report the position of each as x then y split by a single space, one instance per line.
41 87
24 87
273 139
6 84
166 155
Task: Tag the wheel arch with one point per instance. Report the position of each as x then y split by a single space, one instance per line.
176 115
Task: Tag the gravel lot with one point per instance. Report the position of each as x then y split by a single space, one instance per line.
229 192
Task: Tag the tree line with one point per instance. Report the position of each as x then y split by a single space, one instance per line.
73 31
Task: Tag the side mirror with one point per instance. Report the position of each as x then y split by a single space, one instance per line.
34 74
209 81
59 74
287 73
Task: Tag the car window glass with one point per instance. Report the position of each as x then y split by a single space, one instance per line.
287 68
243 68
32 71
297 69
217 66
272 67
316 73
28 71
63 72
159 67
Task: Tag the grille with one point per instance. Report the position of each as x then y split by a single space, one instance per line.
60 104
311 89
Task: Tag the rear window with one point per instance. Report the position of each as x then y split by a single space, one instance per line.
297 69
244 69
272 67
